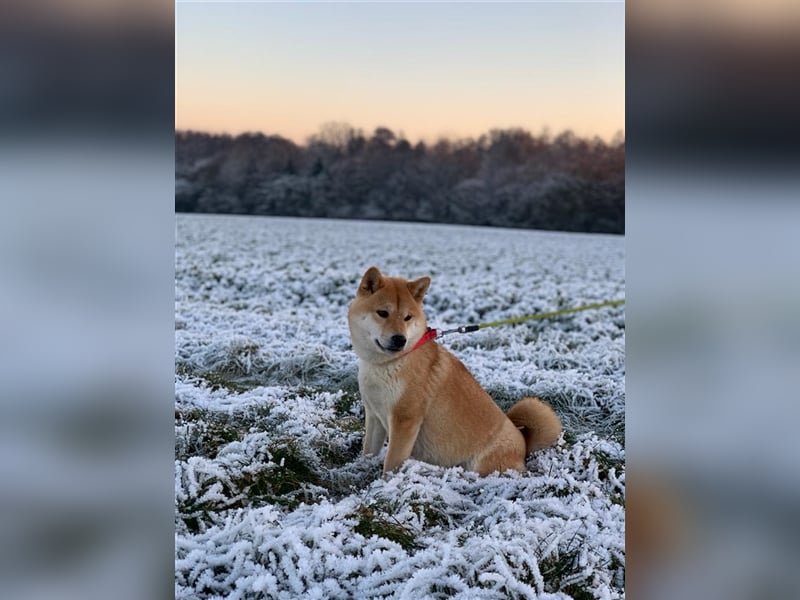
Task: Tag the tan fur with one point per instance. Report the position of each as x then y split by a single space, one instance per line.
429 405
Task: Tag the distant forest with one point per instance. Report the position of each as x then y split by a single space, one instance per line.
506 178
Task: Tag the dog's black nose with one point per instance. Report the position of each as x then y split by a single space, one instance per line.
398 341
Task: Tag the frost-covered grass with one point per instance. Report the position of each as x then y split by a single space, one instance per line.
272 496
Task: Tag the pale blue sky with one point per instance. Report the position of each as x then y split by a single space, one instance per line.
426 69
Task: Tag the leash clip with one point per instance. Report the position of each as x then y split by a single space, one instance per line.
461 329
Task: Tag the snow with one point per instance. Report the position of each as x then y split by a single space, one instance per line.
272 496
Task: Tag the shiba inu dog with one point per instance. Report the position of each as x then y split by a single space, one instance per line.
423 398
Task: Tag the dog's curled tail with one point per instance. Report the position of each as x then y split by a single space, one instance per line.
540 426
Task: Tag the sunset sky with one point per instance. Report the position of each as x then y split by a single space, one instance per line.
423 69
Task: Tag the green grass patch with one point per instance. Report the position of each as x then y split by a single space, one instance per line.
577 592
288 480
344 406
373 520
431 515
200 432
556 570
216 379
605 463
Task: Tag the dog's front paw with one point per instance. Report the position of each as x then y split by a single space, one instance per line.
388 474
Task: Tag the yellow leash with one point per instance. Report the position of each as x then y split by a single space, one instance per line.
537 316
552 313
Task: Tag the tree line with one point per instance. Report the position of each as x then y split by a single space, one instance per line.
505 178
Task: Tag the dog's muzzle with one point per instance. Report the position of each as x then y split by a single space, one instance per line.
396 343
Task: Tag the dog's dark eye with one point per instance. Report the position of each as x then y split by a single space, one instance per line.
383 314
408 318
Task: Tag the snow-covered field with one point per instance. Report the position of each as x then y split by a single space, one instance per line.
272 496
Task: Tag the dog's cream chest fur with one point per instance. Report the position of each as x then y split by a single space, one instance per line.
380 388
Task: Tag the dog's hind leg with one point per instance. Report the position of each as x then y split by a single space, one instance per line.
506 451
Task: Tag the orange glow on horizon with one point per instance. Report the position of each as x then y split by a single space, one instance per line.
281 69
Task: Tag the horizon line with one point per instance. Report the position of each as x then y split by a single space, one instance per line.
544 131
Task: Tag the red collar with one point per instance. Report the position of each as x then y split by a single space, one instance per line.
429 335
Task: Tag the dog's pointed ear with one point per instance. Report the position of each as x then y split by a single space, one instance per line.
371 282
419 287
